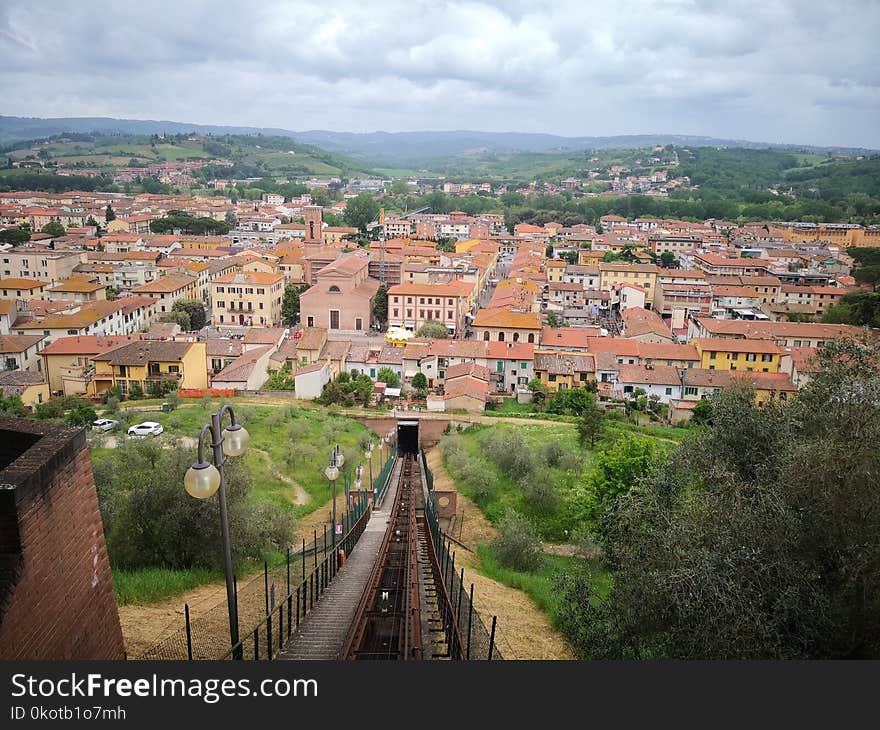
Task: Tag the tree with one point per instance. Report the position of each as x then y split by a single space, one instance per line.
361 211
759 538
702 413
82 415
389 377
194 309
135 391
517 545
554 320
12 406
859 308
280 380
419 381
433 329
539 392
178 316
571 401
151 521
15 236
591 424
667 258
290 303
53 229
109 214
380 304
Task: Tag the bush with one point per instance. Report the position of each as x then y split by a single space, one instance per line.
552 453
517 545
112 404
135 392
508 450
539 492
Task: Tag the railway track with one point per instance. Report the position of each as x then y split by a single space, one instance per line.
405 613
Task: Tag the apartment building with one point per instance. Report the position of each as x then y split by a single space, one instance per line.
412 305
247 298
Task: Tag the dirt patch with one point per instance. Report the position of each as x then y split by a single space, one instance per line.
144 626
300 495
523 630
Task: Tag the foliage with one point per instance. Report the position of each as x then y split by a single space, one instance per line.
195 311
517 545
419 381
702 413
389 377
53 229
591 424
507 449
150 520
361 210
135 391
179 317
859 308
159 388
433 329
82 415
14 236
12 405
290 303
572 401
109 214
380 304
759 537
554 320
195 226
281 379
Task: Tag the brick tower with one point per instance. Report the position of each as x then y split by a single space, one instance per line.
314 221
56 593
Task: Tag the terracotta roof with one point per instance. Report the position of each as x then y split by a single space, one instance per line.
467 369
18 343
313 338
727 344
650 375
263 335
223 347
638 321
523 351
564 363
313 368
22 284
346 265
700 377
466 385
335 349
145 351
772 330
242 367
504 318
250 277
619 346
449 289
665 351
457 348
85 315
165 284
15 382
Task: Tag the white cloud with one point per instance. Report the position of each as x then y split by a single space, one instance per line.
781 71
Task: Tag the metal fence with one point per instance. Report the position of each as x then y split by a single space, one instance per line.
381 482
477 641
280 597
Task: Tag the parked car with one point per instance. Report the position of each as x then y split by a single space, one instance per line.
147 428
104 424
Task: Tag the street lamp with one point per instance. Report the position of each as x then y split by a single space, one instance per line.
203 479
369 454
332 474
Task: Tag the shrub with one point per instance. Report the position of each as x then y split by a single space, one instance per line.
539 491
552 453
508 450
135 392
112 404
517 545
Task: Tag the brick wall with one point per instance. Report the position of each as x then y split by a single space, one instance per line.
59 601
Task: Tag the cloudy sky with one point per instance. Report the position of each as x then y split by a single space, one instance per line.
794 71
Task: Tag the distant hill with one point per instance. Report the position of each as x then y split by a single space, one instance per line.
389 149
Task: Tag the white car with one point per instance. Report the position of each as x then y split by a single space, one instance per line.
104 424
147 428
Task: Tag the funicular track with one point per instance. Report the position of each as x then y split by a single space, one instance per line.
405 612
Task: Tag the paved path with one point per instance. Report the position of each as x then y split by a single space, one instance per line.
323 633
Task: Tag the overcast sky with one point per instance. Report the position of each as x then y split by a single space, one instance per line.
794 71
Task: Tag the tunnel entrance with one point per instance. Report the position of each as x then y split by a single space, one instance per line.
407 437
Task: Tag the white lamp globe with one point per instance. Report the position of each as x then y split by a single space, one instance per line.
235 440
331 472
202 480
340 459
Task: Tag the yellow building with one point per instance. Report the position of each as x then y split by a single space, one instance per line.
555 270
562 370
26 384
247 298
26 289
334 235
168 289
147 361
719 353
77 289
616 273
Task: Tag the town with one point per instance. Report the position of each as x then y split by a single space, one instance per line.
456 312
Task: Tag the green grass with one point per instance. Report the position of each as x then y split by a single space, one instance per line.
268 426
147 585
540 586
661 432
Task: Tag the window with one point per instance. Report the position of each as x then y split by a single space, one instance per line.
358 323
668 391
690 390
499 366
501 337
486 336
261 291
766 357
552 378
712 355
173 368
333 289
221 304
396 312
751 357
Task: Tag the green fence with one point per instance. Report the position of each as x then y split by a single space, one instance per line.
381 483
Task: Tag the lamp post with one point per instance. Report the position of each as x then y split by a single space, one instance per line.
337 459
369 454
203 479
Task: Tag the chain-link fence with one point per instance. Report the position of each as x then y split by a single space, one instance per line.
476 641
